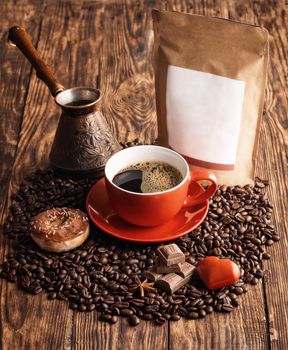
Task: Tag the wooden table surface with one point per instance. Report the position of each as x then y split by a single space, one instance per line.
109 44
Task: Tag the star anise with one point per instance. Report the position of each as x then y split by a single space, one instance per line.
142 287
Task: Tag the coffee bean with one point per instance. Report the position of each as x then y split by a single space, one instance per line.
232 296
73 306
209 309
103 280
134 320
115 311
82 307
248 278
112 286
126 312
52 296
245 289
33 267
227 307
193 315
175 317
151 308
218 307
105 317
166 316
132 261
240 283
202 313
254 281
259 184
137 302
227 220
238 290
113 319
122 305
109 300
235 303
157 314
160 320
221 295
259 274
148 317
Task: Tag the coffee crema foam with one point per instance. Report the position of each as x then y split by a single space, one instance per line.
157 176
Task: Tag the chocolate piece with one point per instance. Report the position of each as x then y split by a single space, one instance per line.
152 276
160 267
186 270
170 254
171 282
168 269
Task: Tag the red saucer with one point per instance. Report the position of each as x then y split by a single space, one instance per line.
103 216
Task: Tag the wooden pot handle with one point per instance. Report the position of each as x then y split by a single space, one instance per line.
19 37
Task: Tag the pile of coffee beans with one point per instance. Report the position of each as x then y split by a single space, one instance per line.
101 273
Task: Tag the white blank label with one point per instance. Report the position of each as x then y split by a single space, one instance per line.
203 114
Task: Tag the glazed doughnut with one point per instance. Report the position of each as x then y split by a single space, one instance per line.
59 229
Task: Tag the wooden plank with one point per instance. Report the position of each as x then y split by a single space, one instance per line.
274 149
246 327
32 321
90 333
126 81
127 70
14 82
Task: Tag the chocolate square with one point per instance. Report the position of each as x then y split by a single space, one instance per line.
152 276
170 254
186 270
160 267
171 282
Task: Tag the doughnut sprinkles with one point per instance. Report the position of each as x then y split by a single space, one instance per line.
59 229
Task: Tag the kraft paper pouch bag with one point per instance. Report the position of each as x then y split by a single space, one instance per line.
210 76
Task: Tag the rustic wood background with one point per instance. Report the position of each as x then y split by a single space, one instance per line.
109 44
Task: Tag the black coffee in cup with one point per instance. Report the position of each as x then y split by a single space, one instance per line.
148 177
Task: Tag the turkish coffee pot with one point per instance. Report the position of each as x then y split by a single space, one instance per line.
83 141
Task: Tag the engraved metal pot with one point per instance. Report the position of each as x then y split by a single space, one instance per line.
83 141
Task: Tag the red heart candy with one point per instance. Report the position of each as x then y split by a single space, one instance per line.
216 273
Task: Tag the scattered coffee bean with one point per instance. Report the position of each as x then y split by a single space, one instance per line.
134 320
227 307
113 319
148 317
209 309
193 315
82 307
126 312
91 307
254 281
106 317
160 320
52 296
175 318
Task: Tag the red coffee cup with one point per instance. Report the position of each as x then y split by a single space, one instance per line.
152 209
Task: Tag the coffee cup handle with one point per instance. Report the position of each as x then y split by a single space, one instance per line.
201 175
